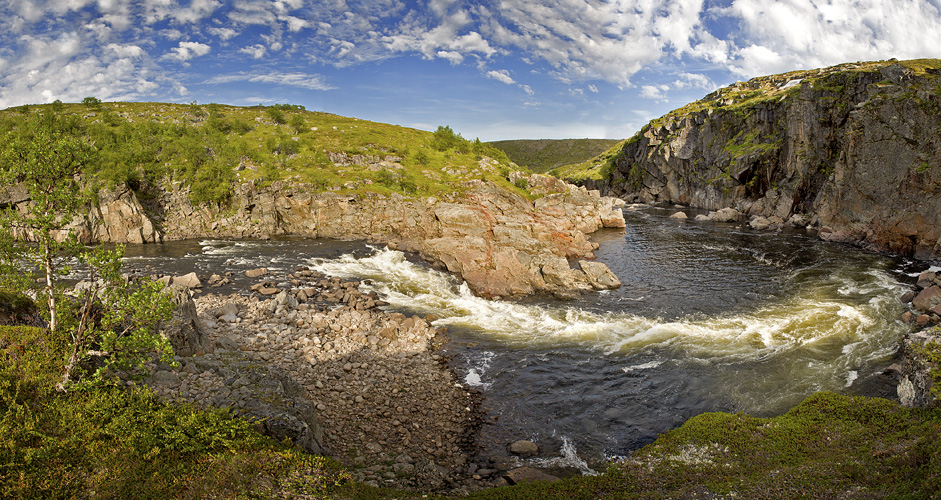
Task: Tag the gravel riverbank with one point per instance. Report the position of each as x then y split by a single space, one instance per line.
320 362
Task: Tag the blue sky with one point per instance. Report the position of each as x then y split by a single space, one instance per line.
498 69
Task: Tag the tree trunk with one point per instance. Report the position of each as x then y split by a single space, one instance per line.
50 289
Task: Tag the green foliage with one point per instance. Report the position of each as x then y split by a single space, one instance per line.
276 115
598 168
146 145
46 164
444 139
91 102
117 323
113 443
297 123
829 446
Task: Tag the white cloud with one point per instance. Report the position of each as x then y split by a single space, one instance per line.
257 51
132 51
694 80
501 76
223 33
782 36
65 67
187 50
451 55
654 92
301 80
593 88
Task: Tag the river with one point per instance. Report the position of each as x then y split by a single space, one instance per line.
711 317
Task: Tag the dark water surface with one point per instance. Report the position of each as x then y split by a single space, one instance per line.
711 317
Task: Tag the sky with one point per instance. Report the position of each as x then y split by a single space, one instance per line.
497 69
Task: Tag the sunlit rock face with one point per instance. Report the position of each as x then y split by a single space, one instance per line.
852 149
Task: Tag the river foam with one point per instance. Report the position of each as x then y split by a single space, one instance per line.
829 311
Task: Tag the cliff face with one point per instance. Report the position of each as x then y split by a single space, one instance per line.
855 149
501 243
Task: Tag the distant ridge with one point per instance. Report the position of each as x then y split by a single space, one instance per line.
542 155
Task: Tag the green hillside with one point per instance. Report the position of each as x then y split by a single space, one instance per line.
542 155
212 147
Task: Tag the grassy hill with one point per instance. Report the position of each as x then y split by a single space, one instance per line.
542 155
211 147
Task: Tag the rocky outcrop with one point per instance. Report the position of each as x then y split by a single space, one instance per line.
915 381
851 149
501 243
182 330
498 241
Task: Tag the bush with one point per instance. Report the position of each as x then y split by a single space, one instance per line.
276 115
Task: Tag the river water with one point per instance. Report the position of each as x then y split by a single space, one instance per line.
711 317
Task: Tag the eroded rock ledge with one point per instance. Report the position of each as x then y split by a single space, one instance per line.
501 243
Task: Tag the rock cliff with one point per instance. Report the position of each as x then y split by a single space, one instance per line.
852 149
502 244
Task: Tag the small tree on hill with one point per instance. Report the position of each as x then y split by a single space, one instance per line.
114 321
47 165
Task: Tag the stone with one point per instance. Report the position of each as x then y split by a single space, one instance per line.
268 290
285 299
760 223
523 475
927 298
679 215
907 297
523 448
599 275
726 214
915 382
256 273
927 278
183 330
188 280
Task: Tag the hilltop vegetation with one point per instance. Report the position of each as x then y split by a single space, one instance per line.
543 155
211 147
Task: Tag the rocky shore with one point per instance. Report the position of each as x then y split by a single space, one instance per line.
915 381
321 364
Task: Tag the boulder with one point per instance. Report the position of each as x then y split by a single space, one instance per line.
928 278
928 298
915 383
285 299
679 215
187 280
599 275
523 475
523 448
760 223
269 396
256 273
726 214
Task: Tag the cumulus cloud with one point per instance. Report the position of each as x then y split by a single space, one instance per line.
780 36
257 51
223 33
501 76
654 92
187 50
44 68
